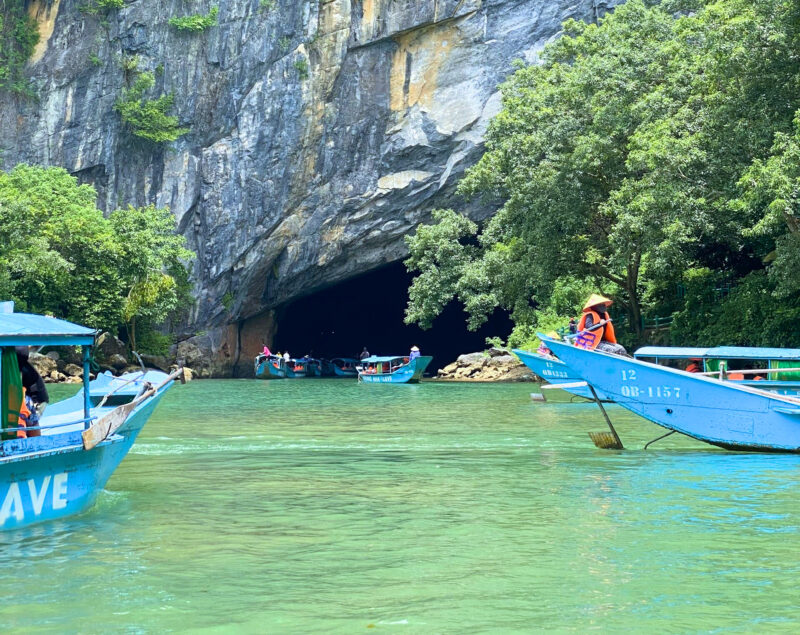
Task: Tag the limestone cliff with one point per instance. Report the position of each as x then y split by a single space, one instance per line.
321 132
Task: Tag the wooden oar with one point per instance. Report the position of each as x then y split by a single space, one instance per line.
106 425
605 440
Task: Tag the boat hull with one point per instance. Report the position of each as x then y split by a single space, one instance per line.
409 373
720 413
266 369
556 372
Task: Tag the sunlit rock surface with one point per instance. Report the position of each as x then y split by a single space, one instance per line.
290 180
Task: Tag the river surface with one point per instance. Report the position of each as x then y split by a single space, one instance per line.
324 506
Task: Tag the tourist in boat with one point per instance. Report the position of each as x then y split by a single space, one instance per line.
694 366
364 354
35 391
603 338
413 354
573 326
266 351
286 356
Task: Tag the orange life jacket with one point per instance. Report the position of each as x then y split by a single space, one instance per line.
595 336
24 417
693 367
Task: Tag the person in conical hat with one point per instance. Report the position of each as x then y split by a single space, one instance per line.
602 337
414 353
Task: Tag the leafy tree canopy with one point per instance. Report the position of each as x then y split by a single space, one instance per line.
658 142
60 255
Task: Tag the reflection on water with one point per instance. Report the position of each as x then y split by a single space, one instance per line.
322 505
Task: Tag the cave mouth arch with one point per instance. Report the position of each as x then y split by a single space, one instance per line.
368 311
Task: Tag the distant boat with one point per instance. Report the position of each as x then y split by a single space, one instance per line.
556 372
296 368
313 367
392 370
721 413
269 367
345 366
82 439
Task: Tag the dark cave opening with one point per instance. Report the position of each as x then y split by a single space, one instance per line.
368 311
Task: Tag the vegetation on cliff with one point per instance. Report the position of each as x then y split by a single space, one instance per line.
18 37
145 117
655 157
60 255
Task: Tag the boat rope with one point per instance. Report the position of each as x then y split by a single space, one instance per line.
663 436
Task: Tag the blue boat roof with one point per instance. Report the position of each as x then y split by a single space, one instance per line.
374 359
21 329
718 352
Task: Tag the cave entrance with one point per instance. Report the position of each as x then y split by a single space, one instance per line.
368 311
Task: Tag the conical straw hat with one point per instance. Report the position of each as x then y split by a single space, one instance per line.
594 300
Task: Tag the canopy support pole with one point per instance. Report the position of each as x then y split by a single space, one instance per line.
87 402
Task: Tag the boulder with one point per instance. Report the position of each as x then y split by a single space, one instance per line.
117 361
73 380
131 368
497 352
449 369
470 358
504 360
44 365
53 355
188 374
107 346
156 361
73 370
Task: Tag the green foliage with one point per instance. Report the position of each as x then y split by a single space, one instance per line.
284 43
95 7
19 35
148 118
651 143
94 60
227 300
195 23
301 65
59 254
266 5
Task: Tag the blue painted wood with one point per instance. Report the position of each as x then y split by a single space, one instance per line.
270 367
52 476
556 372
406 373
721 413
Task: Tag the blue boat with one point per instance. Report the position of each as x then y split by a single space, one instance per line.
82 439
313 367
344 366
269 367
296 368
776 369
392 370
721 413
556 372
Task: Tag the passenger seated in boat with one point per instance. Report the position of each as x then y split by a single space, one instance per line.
603 337
34 387
694 366
414 353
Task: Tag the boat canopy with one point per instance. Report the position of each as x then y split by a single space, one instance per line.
374 359
718 352
26 329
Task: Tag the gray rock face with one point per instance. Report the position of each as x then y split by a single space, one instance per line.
321 132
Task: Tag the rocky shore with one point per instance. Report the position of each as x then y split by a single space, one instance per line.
495 364
110 354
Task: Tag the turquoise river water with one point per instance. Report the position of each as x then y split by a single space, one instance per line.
324 506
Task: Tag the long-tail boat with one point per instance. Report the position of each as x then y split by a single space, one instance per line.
722 413
56 467
345 366
269 367
392 370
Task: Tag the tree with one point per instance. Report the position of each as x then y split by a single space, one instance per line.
617 160
60 255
